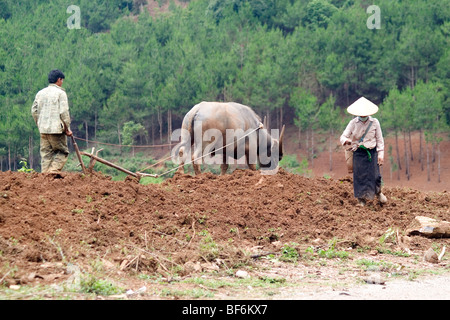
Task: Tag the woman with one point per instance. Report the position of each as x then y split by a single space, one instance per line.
364 137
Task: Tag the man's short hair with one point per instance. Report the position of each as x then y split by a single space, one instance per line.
54 75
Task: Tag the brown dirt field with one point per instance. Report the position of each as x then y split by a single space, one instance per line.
209 224
47 221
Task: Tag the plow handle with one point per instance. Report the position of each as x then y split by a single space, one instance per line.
78 154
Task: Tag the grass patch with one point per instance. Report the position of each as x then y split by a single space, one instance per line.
208 247
289 253
150 180
375 265
91 284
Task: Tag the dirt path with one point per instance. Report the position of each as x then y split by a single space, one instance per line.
429 288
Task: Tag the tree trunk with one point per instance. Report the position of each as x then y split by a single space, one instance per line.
398 152
390 171
147 127
278 119
87 133
160 125
95 127
428 162
406 155
433 152
410 146
242 55
307 144
120 139
439 161
169 127
153 130
281 118
14 159
421 150
30 151
330 148
9 156
312 148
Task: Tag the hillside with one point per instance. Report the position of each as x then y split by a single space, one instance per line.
301 61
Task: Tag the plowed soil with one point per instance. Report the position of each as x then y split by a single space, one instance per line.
49 221
55 227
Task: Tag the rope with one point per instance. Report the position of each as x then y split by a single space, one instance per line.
155 164
124 145
176 168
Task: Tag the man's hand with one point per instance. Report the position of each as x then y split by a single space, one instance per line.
380 161
69 133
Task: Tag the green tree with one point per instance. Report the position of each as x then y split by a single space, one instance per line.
306 112
392 115
429 116
419 51
319 13
133 131
330 119
5 11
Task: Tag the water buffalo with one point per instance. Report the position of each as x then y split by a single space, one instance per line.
218 130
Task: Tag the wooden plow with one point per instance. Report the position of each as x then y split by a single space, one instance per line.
138 175
94 158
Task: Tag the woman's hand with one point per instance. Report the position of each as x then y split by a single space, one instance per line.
380 161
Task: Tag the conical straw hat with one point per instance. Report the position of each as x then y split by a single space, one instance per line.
362 107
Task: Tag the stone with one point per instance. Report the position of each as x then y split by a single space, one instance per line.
431 256
242 274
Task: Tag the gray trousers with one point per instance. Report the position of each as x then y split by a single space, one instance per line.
54 152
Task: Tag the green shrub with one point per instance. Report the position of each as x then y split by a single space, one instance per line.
289 254
90 284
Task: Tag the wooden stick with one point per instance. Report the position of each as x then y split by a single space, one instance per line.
78 154
110 164
255 256
148 175
92 162
442 254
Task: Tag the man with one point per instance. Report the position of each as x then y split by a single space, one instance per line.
50 111
364 137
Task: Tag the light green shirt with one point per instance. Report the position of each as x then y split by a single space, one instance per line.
50 110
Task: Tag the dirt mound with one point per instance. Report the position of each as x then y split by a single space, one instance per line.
47 221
